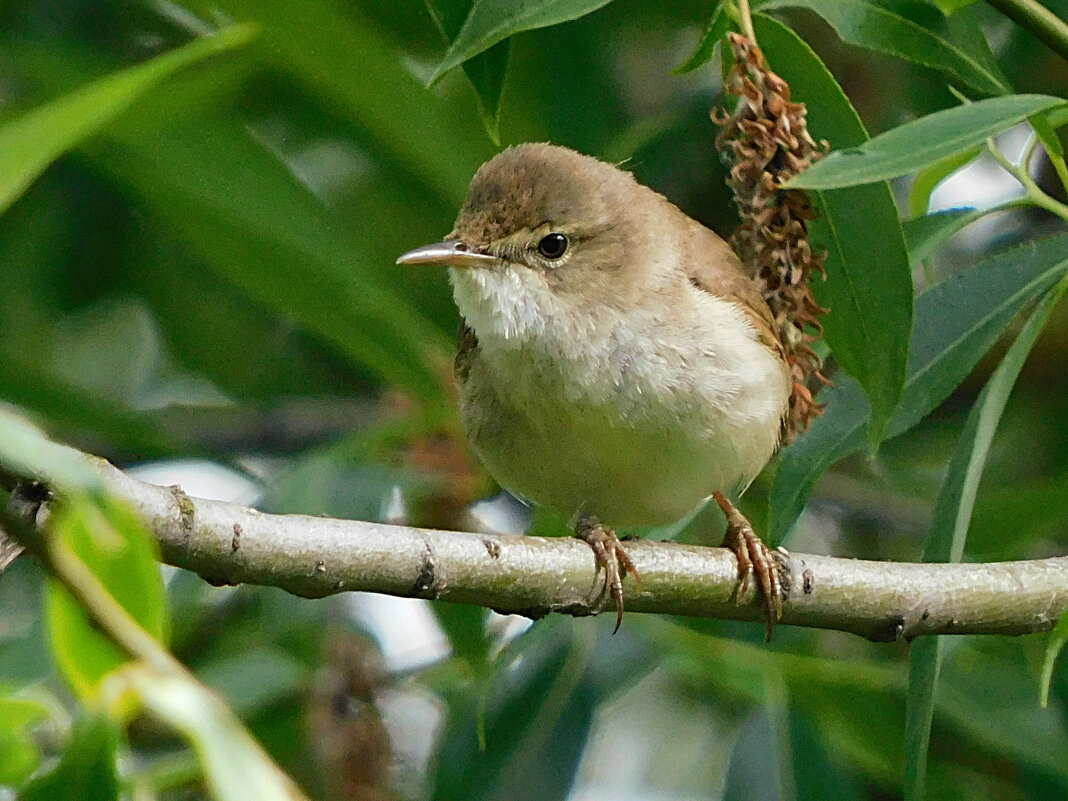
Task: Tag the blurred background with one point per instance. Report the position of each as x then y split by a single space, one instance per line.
206 294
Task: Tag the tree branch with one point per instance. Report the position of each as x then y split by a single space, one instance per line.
315 556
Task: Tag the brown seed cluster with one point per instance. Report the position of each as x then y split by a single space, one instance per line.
764 143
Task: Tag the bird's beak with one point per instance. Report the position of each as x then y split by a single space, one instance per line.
450 253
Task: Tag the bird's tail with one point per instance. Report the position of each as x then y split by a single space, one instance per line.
764 143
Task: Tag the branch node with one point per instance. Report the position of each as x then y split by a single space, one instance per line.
186 509
426 582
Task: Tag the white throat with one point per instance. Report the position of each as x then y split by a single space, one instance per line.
510 305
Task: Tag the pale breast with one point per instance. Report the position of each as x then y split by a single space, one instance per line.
628 416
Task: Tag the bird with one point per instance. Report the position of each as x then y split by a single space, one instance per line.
616 362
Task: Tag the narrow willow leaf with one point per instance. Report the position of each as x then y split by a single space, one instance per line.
957 322
949 529
869 282
236 768
31 142
19 755
288 254
1058 638
30 384
718 25
953 512
492 21
928 178
1047 135
536 713
339 56
922 142
870 25
925 665
924 235
964 29
485 71
112 542
87 769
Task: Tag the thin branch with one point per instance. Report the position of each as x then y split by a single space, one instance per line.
162 682
1039 20
22 525
746 20
1034 194
314 557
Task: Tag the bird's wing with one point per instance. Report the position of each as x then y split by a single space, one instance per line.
713 267
466 344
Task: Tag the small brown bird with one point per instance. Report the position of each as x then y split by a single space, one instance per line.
616 362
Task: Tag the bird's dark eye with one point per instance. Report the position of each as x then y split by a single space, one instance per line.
553 246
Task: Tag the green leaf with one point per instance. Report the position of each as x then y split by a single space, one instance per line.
925 664
255 678
1058 638
817 776
325 47
88 768
236 768
18 714
922 142
19 756
113 544
1047 135
466 629
492 21
73 408
718 25
869 283
537 712
33 141
485 71
953 511
949 528
870 25
957 322
986 695
924 235
286 253
855 702
928 178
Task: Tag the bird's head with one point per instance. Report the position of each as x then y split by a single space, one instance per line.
543 217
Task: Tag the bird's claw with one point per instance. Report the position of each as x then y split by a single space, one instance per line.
610 555
755 558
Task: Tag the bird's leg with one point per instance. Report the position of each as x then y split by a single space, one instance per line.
753 557
610 555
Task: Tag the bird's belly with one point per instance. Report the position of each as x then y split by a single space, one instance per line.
624 455
626 475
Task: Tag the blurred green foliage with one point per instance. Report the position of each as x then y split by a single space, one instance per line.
198 261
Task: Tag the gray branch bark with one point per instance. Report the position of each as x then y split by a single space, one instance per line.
314 556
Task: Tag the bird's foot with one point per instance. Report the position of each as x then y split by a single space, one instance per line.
754 557
611 556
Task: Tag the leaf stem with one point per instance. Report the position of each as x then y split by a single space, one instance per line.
1032 191
1060 168
1039 20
